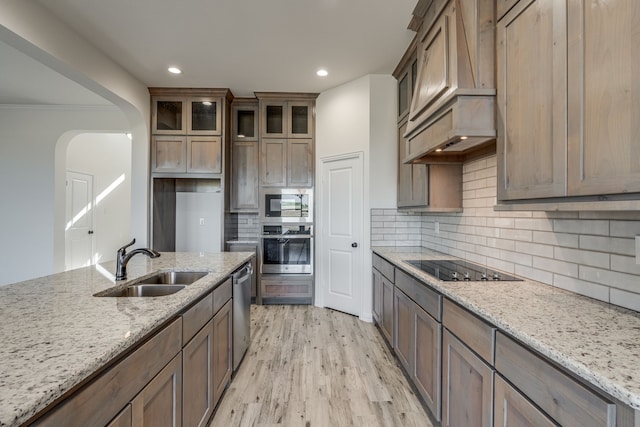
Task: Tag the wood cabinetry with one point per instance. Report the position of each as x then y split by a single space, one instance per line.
245 154
123 419
467 373
513 409
568 98
383 279
187 130
287 128
467 384
222 350
159 404
404 332
567 401
453 104
198 376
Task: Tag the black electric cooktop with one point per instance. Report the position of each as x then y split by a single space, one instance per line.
449 270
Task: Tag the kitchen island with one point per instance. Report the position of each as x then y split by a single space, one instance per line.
56 335
595 342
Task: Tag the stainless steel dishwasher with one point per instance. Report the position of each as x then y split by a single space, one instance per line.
241 312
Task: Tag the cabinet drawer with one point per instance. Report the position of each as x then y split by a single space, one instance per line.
429 300
475 332
286 287
196 317
221 295
384 267
560 396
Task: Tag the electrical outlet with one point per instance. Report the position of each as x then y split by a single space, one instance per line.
201 221
637 249
436 227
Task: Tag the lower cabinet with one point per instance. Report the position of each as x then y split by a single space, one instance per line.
197 358
427 371
222 350
377 296
513 409
123 419
467 385
387 310
404 331
159 404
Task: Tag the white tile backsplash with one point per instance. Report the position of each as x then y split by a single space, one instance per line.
590 253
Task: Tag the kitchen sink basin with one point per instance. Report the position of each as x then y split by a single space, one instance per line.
160 284
174 278
145 291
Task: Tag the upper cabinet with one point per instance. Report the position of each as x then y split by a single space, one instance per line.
288 117
245 154
287 139
187 130
453 104
568 101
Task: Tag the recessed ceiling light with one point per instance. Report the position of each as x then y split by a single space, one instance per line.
464 137
175 70
438 150
322 73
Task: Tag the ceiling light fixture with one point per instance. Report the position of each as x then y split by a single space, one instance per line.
464 137
322 73
175 70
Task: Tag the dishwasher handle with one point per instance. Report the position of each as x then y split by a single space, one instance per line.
241 274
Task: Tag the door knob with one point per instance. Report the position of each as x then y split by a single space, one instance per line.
354 245
90 232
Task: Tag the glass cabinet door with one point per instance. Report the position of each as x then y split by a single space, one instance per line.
274 119
168 115
245 122
300 119
204 116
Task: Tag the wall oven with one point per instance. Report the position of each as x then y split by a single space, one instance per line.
287 205
287 249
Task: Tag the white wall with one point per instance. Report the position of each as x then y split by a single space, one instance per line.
106 157
30 208
35 165
359 116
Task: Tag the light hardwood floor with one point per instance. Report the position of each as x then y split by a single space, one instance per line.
308 366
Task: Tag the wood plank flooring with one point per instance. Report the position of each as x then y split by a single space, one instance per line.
309 366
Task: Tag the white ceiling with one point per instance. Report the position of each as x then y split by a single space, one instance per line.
25 81
245 45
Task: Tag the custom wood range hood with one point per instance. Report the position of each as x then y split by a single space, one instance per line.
452 112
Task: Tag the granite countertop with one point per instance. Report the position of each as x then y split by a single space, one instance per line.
55 333
596 341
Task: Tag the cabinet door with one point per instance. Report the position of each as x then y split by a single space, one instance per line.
245 123
467 386
404 329
168 115
300 163
168 154
197 374
531 58
244 176
204 154
300 119
204 116
604 97
273 170
159 404
427 371
387 310
412 179
123 419
222 348
513 409
377 296
273 119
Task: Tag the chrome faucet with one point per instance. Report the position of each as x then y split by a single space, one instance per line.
124 257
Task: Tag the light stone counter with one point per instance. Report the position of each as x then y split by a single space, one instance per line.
598 342
54 333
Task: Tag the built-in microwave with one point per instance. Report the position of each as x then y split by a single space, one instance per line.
287 205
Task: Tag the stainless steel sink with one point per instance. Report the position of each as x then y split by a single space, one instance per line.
174 278
145 291
160 284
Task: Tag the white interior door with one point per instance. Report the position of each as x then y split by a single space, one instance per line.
79 221
341 217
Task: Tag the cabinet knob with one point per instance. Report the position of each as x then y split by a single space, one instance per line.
90 232
354 245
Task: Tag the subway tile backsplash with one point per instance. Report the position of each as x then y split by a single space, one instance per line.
590 253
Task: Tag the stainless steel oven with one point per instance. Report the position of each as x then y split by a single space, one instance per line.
287 249
287 205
